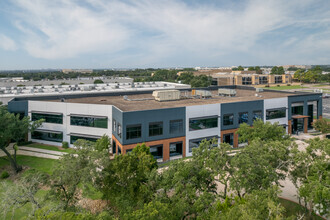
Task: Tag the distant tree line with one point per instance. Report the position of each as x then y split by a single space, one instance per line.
313 75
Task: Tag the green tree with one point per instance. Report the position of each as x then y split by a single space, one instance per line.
98 81
259 165
21 193
299 75
274 70
189 188
186 77
263 131
311 175
251 68
12 128
216 159
258 70
81 167
201 81
124 180
260 204
322 125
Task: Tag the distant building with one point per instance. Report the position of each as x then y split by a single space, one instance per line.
66 71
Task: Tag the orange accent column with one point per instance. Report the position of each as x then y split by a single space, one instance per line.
305 125
289 127
235 140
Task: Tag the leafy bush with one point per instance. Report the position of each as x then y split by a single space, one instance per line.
4 175
65 145
98 81
266 85
322 125
278 85
288 84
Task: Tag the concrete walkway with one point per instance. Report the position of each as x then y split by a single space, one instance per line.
34 152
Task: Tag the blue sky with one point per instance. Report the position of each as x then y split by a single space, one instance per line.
37 34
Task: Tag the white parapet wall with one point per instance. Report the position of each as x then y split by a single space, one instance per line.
277 103
199 111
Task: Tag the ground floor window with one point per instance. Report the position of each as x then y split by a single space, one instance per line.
175 149
157 151
47 136
75 138
228 138
195 142
113 147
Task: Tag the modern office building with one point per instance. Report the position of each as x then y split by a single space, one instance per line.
173 124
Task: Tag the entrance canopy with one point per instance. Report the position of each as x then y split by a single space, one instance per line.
300 116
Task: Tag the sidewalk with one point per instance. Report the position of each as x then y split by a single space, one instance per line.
34 152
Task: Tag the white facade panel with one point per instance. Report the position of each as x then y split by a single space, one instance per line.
201 111
277 103
72 108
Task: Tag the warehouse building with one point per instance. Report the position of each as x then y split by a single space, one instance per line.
171 122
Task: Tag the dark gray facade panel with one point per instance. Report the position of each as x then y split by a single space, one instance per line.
149 116
238 107
21 107
118 116
305 99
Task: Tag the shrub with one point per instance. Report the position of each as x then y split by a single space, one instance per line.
278 85
266 85
322 125
288 84
4 175
98 81
65 144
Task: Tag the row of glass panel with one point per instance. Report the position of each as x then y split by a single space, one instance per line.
156 128
57 137
84 121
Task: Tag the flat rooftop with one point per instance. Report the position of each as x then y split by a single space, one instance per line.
138 102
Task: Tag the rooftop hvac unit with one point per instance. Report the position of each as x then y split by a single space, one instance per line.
227 92
166 95
259 90
203 93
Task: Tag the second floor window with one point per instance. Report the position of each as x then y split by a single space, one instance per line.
133 131
243 117
176 126
228 119
203 123
155 128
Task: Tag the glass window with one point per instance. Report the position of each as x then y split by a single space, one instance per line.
157 151
47 136
155 128
228 119
195 142
89 121
257 115
75 138
114 125
119 129
176 126
175 149
275 113
203 123
278 79
297 110
133 131
49 118
263 80
243 117
119 149
246 80
228 138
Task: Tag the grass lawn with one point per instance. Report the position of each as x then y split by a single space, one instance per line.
293 209
285 87
48 147
41 164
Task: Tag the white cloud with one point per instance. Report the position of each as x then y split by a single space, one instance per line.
6 43
156 30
